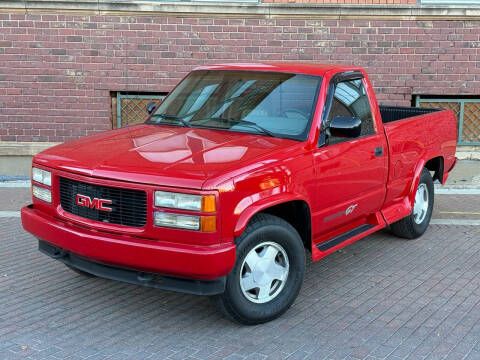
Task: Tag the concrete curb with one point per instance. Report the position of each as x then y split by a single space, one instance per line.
14 178
15 184
9 214
457 191
439 188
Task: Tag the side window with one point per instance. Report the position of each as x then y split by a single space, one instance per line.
350 99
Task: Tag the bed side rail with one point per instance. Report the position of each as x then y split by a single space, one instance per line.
394 113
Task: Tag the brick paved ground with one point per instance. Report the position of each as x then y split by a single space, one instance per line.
382 297
457 207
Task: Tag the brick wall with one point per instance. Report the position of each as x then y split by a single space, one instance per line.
57 71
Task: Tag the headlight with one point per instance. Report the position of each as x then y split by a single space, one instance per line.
205 203
180 221
42 193
42 176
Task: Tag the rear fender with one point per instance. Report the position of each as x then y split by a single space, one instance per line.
446 173
255 205
402 208
416 179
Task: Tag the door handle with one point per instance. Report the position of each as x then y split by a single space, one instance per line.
378 151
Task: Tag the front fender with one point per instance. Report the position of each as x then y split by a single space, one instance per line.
255 203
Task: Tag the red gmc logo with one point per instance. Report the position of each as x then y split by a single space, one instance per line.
95 203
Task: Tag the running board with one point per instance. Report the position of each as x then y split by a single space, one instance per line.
344 237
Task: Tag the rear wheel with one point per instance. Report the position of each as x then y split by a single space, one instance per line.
268 273
415 224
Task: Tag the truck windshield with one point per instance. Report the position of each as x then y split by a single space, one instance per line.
265 103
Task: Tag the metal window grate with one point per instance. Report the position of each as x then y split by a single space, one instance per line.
131 108
467 112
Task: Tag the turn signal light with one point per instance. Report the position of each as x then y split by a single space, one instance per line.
208 223
208 203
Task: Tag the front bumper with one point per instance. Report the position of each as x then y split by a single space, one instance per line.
197 287
129 252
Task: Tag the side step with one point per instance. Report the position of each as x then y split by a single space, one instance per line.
344 237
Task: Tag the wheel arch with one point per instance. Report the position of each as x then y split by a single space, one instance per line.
436 165
293 209
433 164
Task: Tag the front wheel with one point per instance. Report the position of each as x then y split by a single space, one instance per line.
268 272
414 225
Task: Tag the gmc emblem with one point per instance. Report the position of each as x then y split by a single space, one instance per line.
95 203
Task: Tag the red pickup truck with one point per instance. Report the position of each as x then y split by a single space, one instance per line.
239 170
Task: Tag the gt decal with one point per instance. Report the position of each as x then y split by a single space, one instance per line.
346 212
350 209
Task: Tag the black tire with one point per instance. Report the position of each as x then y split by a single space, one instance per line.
407 227
234 303
80 272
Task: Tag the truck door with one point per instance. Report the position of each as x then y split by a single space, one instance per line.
350 173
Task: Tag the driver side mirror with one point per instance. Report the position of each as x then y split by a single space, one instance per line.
150 107
345 126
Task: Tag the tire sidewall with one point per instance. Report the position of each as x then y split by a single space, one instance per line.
426 179
290 241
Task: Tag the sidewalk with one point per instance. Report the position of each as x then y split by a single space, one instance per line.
465 175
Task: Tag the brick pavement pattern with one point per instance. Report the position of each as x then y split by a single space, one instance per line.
456 207
380 298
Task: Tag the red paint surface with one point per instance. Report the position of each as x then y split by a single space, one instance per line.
246 173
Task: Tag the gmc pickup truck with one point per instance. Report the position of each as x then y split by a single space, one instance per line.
233 176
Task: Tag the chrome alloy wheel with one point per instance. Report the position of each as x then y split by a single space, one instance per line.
264 272
420 206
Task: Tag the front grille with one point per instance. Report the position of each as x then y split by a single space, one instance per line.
129 207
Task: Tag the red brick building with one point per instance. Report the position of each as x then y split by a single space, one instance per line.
69 69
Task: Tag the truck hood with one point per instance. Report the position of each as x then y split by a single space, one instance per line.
161 155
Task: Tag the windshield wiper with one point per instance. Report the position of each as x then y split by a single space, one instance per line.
241 122
173 117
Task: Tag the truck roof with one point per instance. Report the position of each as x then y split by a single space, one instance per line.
288 67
